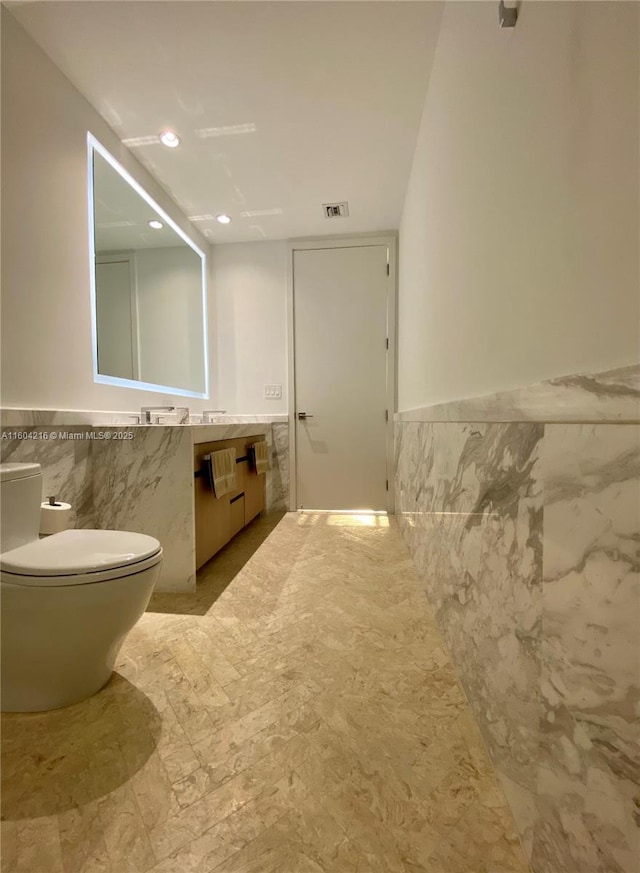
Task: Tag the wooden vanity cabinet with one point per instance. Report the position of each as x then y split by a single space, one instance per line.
218 519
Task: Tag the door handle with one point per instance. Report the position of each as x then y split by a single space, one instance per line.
303 415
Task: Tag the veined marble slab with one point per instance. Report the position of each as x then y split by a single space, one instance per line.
589 762
278 476
204 433
612 396
146 485
527 538
66 468
469 504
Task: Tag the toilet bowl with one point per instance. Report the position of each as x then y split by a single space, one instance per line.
68 600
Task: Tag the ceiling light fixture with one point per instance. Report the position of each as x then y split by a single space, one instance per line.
223 219
155 224
170 139
227 130
135 141
256 213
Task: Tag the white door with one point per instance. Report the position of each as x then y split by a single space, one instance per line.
115 318
340 347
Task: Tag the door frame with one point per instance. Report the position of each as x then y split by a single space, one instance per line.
390 240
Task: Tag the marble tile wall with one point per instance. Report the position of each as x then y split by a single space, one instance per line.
589 757
146 484
66 465
278 476
527 538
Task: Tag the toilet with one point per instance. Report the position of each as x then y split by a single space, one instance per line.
68 600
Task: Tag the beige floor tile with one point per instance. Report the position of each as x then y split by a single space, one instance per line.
225 763
34 847
205 685
84 849
151 786
123 830
9 845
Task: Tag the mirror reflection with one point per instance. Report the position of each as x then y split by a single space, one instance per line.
148 290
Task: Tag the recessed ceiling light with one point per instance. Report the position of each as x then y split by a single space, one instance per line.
223 219
155 224
170 139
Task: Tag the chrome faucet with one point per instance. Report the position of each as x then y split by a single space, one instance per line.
207 413
145 412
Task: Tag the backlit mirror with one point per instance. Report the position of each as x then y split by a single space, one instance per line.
148 288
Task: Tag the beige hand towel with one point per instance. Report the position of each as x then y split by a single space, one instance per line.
261 455
224 471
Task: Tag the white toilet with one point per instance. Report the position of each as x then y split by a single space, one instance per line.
68 600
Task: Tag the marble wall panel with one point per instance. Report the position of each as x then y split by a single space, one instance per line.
469 501
146 485
589 762
66 464
278 476
527 537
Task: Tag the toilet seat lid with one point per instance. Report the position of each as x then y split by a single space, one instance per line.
77 552
10 472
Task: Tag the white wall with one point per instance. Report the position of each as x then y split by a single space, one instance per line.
519 237
169 297
46 314
250 324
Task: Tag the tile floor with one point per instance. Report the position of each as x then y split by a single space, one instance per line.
299 714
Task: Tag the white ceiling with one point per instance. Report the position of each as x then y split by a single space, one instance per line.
325 99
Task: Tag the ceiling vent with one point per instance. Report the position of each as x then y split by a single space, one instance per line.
336 210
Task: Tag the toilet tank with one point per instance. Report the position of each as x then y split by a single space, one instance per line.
20 498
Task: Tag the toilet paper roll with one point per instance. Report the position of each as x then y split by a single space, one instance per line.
54 519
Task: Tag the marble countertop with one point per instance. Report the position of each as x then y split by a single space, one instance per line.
15 417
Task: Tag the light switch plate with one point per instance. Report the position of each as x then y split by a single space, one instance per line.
272 392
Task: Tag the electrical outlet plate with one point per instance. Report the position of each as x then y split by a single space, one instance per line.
272 392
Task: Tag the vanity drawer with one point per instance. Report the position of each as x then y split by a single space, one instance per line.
236 508
254 494
213 522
